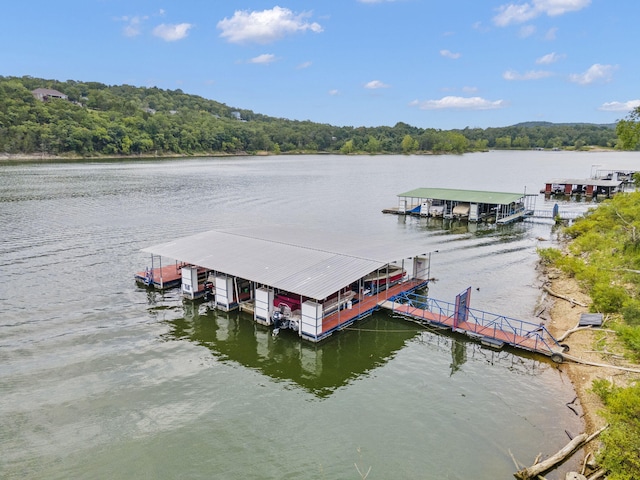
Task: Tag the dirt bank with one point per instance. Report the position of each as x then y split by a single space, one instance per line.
597 346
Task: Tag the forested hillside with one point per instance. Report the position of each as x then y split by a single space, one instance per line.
93 119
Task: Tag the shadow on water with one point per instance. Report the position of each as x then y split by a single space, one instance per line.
323 368
318 368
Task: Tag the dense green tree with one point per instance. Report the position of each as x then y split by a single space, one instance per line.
628 131
522 142
503 142
373 145
111 120
347 147
409 144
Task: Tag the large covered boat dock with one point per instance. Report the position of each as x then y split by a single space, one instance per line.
470 205
312 282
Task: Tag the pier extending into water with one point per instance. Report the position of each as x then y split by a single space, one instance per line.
491 330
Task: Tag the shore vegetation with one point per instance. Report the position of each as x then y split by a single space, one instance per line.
88 119
602 255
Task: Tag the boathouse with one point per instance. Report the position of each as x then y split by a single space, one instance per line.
589 187
470 205
312 282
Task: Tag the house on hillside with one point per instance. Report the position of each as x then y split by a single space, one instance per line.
45 94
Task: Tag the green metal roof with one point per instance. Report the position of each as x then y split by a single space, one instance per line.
471 196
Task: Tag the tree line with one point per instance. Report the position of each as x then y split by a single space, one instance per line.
97 119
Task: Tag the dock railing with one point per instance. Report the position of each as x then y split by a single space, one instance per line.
563 215
479 324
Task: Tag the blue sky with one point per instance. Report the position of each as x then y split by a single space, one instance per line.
429 63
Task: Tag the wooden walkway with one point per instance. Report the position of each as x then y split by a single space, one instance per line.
161 278
365 306
490 329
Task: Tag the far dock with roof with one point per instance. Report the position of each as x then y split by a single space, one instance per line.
589 187
470 205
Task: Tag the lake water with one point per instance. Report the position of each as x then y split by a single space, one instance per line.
102 379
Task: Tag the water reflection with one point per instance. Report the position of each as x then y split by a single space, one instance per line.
464 350
323 368
318 368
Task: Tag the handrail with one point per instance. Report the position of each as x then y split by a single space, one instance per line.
481 322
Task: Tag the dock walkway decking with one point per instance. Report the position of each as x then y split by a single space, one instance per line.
366 305
161 278
490 329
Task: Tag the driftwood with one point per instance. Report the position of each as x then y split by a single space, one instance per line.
573 330
574 476
563 297
539 468
595 364
598 474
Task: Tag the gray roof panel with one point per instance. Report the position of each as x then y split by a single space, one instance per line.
296 259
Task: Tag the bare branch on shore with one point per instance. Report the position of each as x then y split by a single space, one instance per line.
539 468
563 297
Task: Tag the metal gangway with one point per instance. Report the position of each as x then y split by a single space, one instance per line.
490 329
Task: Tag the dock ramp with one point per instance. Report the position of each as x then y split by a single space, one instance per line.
490 329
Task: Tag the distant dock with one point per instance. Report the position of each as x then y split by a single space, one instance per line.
604 183
470 205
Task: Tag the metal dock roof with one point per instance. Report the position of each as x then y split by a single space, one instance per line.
596 182
307 262
471 196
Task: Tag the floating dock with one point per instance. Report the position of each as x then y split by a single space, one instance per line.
158 276
491 330
604 182
470 205
311 282
589 187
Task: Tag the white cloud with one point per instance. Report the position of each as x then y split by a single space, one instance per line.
459 103
469 89
509 14
554 8
304 65
266 26
375 84
549 58
519 13
133 25
530 75
480 27
449 54
334 92
264 59
527 31
171 33
595 73
620 106
551 34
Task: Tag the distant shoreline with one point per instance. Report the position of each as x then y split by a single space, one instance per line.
40 157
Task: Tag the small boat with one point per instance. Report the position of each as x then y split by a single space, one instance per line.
285 318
